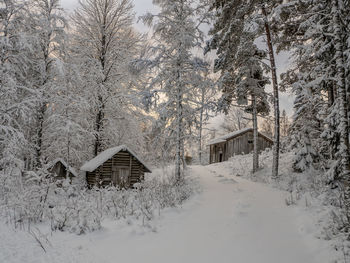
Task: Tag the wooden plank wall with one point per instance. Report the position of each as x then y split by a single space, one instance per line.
121 159
236 146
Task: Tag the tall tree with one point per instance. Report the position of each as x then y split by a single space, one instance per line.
204 104
48 26
177 70
105 44
16 92
235 119
269 41
239 61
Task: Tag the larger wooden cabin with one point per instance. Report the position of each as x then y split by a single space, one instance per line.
235 143
117 166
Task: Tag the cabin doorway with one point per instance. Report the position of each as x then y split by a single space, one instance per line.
220 156
120 176
124 177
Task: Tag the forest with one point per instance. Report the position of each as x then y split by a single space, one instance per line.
76 83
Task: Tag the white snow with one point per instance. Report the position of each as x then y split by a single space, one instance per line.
231 220
106 155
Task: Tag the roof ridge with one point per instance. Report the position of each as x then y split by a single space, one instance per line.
105 155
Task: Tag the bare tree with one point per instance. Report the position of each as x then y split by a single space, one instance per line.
104 38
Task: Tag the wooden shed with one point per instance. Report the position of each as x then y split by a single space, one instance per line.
117 166
60 169
236 143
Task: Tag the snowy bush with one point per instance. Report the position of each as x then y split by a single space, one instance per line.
73 208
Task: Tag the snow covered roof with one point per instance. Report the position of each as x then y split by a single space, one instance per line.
94 163
232 135
70 169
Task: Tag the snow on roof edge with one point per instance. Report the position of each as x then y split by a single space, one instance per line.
102 157
70 169
225 137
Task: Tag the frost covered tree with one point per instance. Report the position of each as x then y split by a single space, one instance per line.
104 45
306 129
47 24
235 119
316 32
204 94
16 92
240 62
233 21
285 124
267 126
66 124
177 71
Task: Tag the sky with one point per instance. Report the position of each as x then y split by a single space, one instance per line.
143 6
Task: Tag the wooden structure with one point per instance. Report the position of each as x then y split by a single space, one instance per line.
117 166
236 143
60 169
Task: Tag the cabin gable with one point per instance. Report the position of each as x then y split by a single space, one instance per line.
123 169
58 168
222 149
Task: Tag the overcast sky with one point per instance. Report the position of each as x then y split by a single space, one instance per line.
143 6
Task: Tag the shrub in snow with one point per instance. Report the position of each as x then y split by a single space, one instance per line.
74 210
67 207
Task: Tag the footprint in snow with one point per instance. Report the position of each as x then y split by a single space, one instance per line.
227 181
237 190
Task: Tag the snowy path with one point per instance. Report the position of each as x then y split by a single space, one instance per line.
232 220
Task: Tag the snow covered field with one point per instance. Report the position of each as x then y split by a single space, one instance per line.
231 220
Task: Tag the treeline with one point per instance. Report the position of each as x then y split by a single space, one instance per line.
65 81
74 85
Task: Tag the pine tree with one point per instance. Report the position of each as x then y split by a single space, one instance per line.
237 22
239 61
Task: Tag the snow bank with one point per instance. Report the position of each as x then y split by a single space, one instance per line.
308 193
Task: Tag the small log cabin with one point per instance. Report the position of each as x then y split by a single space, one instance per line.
236 143
60 169
117 166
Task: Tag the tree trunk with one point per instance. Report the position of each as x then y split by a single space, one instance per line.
255 131
344 148
98 125
178 135
201 127
276 143
40 134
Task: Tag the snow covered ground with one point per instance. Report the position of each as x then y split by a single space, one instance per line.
231 220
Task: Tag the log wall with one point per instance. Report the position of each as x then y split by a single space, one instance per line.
241 144
102 176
